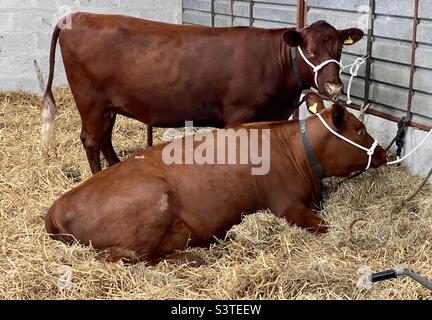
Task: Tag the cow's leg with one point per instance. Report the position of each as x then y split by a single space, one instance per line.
107 147
237 114
149 136
305 218
178 237
92 137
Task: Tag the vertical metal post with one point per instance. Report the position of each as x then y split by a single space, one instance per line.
300 23
251 5
301 13
212 13
232 12
413 55
369 51
182 11
305 13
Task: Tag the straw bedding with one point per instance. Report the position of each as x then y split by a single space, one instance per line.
262 257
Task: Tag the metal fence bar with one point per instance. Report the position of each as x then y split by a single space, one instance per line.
182 12
369 51
301 13
232 12
413 54
251 6
212 13
390 117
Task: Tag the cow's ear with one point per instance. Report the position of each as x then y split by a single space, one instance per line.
338 115
350 36
314 103
292 37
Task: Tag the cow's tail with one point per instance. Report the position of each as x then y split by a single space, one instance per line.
49 110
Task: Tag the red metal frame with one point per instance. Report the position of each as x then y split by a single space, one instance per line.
413 55
390 117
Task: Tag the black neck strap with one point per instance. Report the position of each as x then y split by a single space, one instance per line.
294 67
310 156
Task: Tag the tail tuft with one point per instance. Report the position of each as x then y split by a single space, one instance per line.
49 113
49 110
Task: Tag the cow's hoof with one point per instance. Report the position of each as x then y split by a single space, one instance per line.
321 228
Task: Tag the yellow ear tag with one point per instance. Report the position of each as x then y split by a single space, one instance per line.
348 41
313 108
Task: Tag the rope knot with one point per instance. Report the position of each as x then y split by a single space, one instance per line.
371 151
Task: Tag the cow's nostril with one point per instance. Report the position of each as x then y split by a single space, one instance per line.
333 88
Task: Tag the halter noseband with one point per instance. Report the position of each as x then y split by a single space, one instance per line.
317 68
313 161
369 151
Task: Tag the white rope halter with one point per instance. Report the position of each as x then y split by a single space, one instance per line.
354 68
317 68
369 151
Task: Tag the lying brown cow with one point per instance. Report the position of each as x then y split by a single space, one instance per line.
144 209
163 74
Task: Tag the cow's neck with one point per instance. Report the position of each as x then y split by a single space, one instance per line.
298 74
290 146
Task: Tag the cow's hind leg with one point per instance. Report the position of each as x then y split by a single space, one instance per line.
107 147
92 136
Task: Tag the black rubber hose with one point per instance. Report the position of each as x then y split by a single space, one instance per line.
383 275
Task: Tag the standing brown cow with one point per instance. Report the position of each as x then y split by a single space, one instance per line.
145 209
163 74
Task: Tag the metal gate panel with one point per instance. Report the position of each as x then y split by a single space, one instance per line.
266 13
391 42
391 52
392 56
197 12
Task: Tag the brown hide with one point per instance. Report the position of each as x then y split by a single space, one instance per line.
163 74
147 207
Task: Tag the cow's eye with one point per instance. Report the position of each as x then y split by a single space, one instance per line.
308 52
361 132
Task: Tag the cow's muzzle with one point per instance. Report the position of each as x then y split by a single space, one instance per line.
333 89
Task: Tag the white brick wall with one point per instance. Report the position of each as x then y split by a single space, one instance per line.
26 29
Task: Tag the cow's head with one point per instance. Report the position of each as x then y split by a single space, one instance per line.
337 156
321 42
